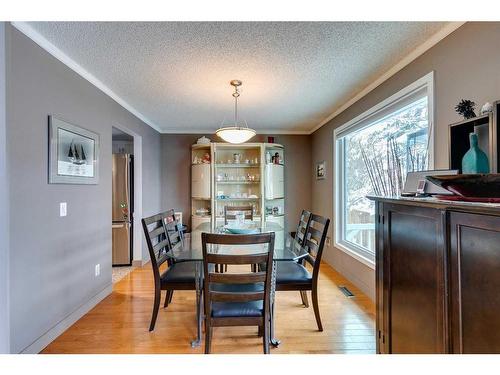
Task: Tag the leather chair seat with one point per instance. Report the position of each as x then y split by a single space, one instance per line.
237 309
181 272
289 272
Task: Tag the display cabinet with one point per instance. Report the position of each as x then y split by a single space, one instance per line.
224 174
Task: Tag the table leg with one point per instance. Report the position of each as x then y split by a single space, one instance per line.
274 341
199 273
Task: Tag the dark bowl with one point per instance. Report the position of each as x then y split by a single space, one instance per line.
470 185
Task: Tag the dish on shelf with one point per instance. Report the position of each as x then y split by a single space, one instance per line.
202 212
469 185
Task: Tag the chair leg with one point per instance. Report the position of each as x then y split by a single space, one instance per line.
303 295
167 298
265 336
314 295
208 339
171 295
156 307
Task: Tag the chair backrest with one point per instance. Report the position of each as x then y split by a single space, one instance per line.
314 241
174 229
305 218
157 240
257 257
230 212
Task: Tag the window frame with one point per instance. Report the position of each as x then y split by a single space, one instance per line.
427 83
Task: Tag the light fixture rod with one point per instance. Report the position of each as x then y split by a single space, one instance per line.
236 110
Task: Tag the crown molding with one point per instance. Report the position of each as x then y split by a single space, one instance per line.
39 39
420 50
258 131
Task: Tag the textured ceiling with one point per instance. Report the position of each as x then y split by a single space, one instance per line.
295 74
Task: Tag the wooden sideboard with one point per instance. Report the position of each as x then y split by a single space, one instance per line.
437 276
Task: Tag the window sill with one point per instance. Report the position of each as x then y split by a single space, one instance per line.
367 262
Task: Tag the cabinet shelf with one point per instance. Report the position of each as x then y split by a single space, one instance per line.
237 165
237 199
237 182
255 217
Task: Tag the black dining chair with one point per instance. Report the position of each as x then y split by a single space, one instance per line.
178 276
299 235
237 299
174 228
294 276
305 218
175 236
230 212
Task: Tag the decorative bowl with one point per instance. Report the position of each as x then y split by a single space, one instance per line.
470 185
242 229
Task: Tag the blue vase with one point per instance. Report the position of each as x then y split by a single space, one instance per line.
475 160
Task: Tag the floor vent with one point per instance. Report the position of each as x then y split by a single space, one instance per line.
346 291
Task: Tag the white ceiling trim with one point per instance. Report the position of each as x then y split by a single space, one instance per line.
260 131
72 64
420 50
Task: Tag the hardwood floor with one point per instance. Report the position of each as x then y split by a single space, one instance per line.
119 324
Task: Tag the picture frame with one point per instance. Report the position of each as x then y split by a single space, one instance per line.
320 170
73 153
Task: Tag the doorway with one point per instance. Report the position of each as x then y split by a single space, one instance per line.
123 208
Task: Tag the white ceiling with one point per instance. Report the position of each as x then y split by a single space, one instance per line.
176 75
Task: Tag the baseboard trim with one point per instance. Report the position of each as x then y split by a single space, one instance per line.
67 322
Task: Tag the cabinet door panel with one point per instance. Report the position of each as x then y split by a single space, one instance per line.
414 279
475 283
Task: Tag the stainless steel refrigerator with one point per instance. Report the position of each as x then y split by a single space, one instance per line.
123 209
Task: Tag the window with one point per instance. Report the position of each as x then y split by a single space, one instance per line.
373 153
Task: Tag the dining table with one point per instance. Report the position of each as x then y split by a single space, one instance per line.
286 248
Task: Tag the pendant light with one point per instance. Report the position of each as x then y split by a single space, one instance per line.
236 133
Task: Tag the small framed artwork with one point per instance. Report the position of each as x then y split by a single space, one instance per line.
320 170
73 154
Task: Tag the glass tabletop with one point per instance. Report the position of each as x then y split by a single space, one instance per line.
285 247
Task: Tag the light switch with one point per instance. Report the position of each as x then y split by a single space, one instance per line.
63 209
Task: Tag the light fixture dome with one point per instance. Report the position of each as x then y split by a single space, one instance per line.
236 133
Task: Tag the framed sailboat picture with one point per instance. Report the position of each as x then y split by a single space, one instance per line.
73 153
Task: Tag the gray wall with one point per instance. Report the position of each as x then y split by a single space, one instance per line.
4 207
466 65
52 259
176 179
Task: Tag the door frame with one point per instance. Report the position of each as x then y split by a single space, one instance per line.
4 202
137 255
